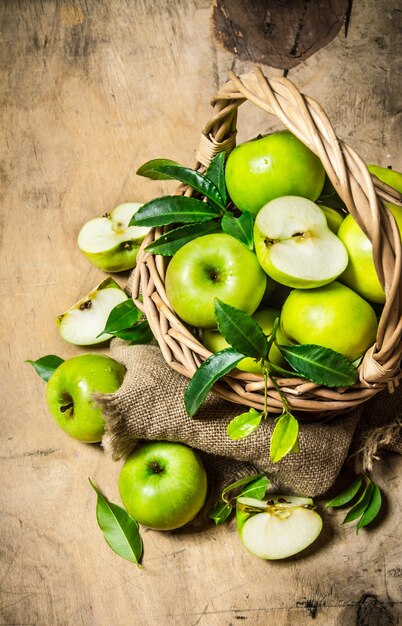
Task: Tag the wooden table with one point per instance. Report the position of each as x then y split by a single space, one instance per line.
91 89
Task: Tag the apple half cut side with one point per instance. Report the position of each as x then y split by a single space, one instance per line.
109 243
277 528
84 321
294 244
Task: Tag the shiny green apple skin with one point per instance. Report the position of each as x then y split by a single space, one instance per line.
214 341
275 165
294 244
332 316
109 243
73 383
163 485
334 217
209 267
360 273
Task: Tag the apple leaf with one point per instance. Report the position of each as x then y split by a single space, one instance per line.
163 169
120 530
243 425
121 317
216 174
241 331
139 334
239 483
256 489
46 365
361 505
284 436
322 366
240 227
372 510
220 512
213 368
173 210
347 495
172 241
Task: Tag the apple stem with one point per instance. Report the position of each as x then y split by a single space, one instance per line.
155 467
66 407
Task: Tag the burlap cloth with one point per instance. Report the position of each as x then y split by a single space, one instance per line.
150 406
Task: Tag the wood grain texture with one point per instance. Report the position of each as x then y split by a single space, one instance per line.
90 90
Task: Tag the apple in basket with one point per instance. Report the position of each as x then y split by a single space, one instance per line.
276 165
209 267
163 485
278 527
360 272
69 392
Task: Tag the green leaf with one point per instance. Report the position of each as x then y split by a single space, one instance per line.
171 210
239 483
46 365
121 317
119 529
322 366
220 512
216 174
216 366
256 489
372 510
240 227
361 505
163 169
138 334
284 436
240 330
347 495
172 241
243 425
277 370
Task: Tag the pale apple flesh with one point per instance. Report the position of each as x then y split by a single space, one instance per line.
109 243
278 533
294 244
83 323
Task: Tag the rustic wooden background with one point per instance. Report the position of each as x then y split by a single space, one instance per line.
90 89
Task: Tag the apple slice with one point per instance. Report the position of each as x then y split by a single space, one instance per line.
109 242
285 526
84 321
294 244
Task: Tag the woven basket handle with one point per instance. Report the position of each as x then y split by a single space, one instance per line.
363 194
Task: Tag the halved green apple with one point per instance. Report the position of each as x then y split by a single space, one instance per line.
278 527
109 242
84 321
294 244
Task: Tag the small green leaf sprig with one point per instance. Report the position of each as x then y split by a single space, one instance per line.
256 486
125 321
196 216
322 366
365 508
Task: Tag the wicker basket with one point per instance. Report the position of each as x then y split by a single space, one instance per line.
364 196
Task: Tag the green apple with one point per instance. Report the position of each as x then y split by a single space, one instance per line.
360 273
278 527
332 316
84 321
214 341
272 166
163 485
70 389
109 242
294 244
209 267
334 217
